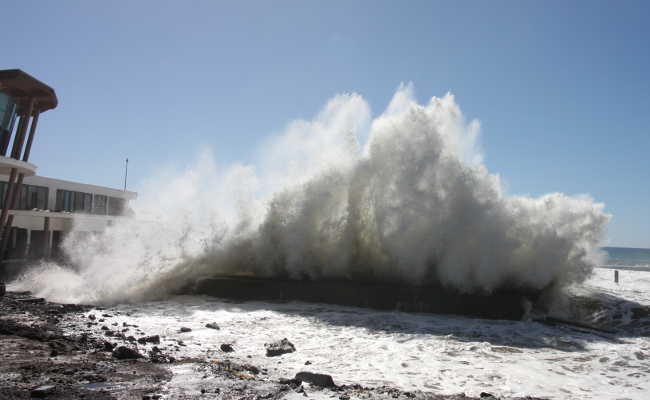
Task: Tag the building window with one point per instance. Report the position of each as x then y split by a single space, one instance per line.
64 200
32 197
29 197
83 202
3 193
7 112
70 201
99 204
115 206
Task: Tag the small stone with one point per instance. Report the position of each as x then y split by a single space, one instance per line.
155 339
322 380
486 395
307 362
54 353
123 353
212 325
91 317
278 348
108 346
226 348
185 329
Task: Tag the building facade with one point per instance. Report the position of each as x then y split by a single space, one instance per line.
47 208
36 212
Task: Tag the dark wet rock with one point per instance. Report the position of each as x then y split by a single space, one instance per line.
278 348
212 325
293 383
640 312
226 348
131 339
486 395
151 397
91 317
123 353
157 356
54 353
104 328
185 329
307 362
232 369
321 380
108 346
42 391
155 339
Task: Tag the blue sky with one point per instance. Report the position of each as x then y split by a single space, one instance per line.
561 88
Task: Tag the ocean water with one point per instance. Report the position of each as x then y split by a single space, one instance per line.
627 257
434 353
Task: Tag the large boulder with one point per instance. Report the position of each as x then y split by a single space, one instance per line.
278 348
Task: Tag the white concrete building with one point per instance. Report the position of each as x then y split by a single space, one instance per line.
46 209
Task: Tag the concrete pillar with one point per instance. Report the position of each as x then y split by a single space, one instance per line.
28 243
47 238
19 139
30 138
13 186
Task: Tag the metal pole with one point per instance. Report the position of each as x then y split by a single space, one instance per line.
126 173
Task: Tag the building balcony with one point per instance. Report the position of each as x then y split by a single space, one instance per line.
22 167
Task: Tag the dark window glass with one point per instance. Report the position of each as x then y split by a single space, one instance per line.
82 202
37 197
22 199
7 111
3 193
99 204
64 200
88 202
115 206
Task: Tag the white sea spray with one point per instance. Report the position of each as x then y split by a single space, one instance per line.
403 197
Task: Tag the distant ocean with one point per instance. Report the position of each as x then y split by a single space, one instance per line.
628 258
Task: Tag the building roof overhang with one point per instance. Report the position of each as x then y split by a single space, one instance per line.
22 87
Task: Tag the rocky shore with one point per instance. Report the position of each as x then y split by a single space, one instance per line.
63 351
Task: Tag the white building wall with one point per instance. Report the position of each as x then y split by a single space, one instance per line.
63 221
